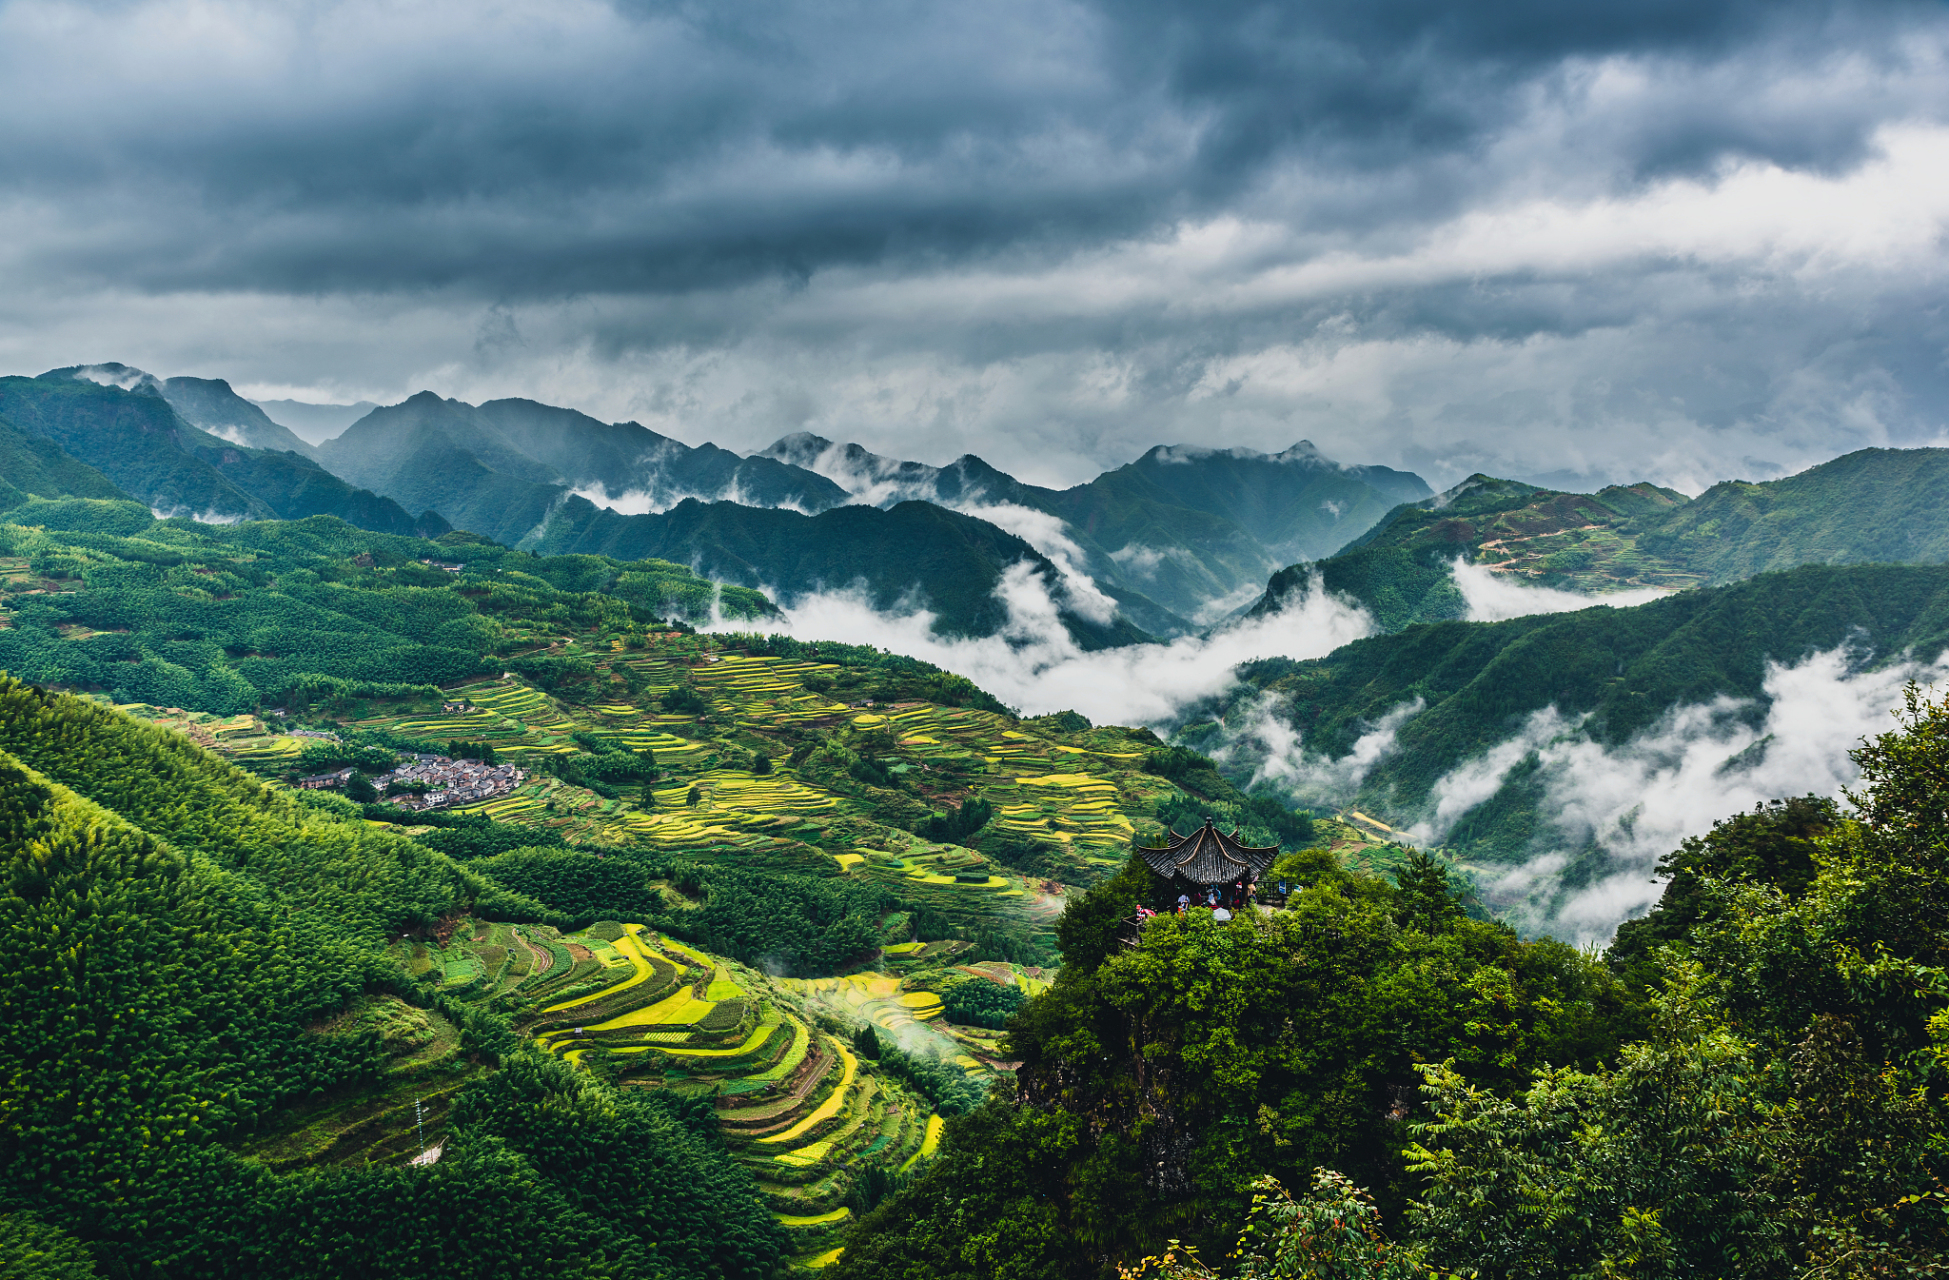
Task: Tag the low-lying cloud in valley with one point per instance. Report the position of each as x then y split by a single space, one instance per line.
1610 811
1637 801
1035 666
1631 803
1493 597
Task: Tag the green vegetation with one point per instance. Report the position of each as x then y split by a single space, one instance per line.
1158 1080
194 961
375 973
32 1250
1623 669
1762 1095
138 441
304 614
1872 506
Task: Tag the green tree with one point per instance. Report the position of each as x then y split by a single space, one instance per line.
1427 902
32 1250
1333 1232
1664 1166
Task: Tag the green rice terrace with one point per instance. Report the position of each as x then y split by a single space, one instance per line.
799 886
762 761
795 1102
764 765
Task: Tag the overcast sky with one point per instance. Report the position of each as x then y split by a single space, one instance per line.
1577 242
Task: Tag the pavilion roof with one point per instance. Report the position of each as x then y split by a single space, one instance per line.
1209 856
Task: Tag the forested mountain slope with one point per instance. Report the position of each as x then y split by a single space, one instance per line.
1451 693
915 553
500 468
1182 527
208 403
182 943
33 467
1875 505
103 595
1364 1082
149 451
1866 507
692 806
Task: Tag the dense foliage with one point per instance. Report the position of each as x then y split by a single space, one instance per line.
179 942
982 1004
300 614
1771 1107
1871 506
1158 1080
138 440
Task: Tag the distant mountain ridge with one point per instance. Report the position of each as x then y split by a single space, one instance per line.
500 468
314 423
120 423
1871 506
1189 530
1176 539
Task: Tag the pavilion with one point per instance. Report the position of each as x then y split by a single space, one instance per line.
1207 857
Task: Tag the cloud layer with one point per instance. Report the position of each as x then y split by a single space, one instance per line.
1034 666
1573 243
1635 803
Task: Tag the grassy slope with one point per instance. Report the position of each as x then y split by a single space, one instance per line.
134 440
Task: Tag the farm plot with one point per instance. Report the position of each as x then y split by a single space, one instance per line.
732 805
795 1104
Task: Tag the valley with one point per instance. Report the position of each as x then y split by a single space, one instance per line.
736 946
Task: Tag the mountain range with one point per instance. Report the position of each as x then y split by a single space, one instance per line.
242 466
1871 506
1172 542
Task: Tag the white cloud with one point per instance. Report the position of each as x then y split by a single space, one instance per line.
1700 763
1035 666
1469 784
1493 596
1049 535
1273 746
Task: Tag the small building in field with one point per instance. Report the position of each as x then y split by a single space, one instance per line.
322 781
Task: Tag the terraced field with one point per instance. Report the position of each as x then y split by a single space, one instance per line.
246 738
766 767
803 1112
1077 797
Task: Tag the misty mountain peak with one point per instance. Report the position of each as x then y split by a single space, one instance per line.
1305 453
112 374
799 449
1480 486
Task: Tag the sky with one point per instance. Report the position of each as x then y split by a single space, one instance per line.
1681 240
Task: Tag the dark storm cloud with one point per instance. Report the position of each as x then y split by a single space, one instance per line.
513 154
1612 240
